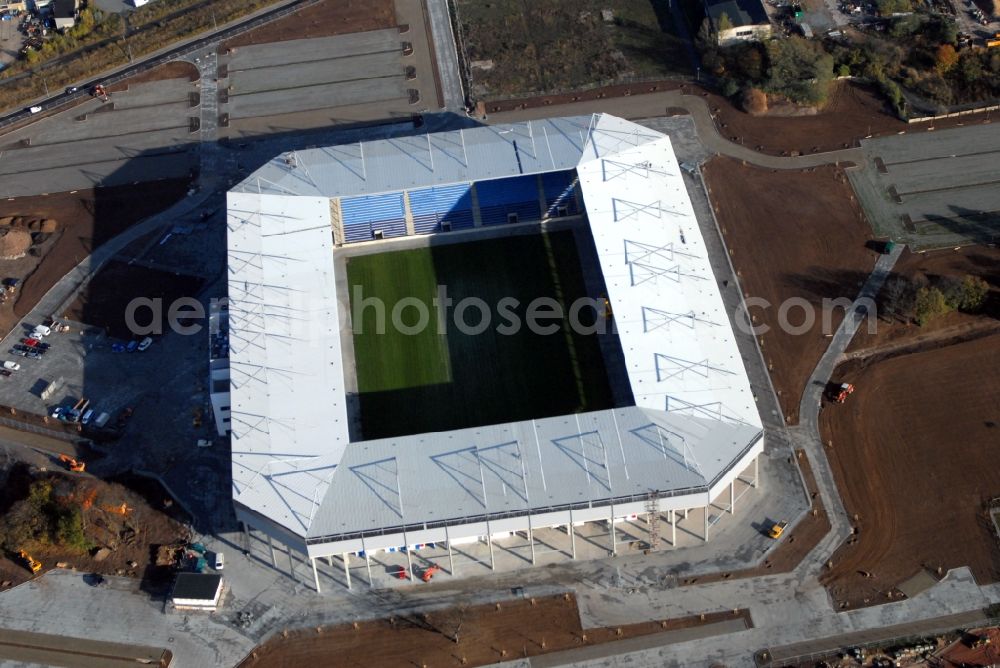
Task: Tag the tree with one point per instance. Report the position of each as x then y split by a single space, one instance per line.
945 58
843 71
706 34
799 69
898 297
729 87
973 293
930 304
725 23
69 530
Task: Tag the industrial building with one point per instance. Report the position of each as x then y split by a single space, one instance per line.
304 479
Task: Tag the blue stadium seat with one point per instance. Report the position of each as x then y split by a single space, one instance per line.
432 207
363 216
501 197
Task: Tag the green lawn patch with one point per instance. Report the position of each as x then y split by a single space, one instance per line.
429 381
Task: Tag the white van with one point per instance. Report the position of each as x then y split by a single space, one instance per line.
40 331
220 561
13 366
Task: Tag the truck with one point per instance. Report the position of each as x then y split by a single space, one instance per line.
777 529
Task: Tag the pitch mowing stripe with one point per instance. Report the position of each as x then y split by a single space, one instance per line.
388 359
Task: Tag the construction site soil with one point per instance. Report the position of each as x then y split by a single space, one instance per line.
104 301
132 538
460 636
852 113
323 19
893 335
913 456
86 219
791 235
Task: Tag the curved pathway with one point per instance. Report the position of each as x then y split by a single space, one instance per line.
656 104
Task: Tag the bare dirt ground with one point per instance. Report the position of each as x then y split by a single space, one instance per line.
133 536
791 235
895 334
324 19
177 69
104 301
460 636
86 219
913 455
796 543
853 112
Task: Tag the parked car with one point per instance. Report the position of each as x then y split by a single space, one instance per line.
4 372
33 355
204 443
40 331
132 345
145 344
34 110
72 89
13 366
117 348
220 561
87 416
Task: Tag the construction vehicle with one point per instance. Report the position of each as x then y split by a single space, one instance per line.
33 565
429 572
122 509
72 464
777 530
99 92
842 392
402 574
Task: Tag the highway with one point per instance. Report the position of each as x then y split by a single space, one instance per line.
179 50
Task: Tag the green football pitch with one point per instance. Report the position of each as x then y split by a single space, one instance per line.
413 380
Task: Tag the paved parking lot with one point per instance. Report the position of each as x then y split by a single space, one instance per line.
142 134
313 74
933 188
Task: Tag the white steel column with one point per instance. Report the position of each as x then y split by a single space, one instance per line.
489 541
572 534
368 562
756 471
451 556
685 513
706 522
315 574
291 562
270 544
614 542
409 562
732 497
347 567
673 528
329 560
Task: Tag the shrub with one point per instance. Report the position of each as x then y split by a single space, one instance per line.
754 101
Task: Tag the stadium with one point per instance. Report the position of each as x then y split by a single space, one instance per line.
350 439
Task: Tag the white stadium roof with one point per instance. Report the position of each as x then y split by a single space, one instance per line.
293 462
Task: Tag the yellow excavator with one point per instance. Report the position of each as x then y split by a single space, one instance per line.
777 529
33 564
